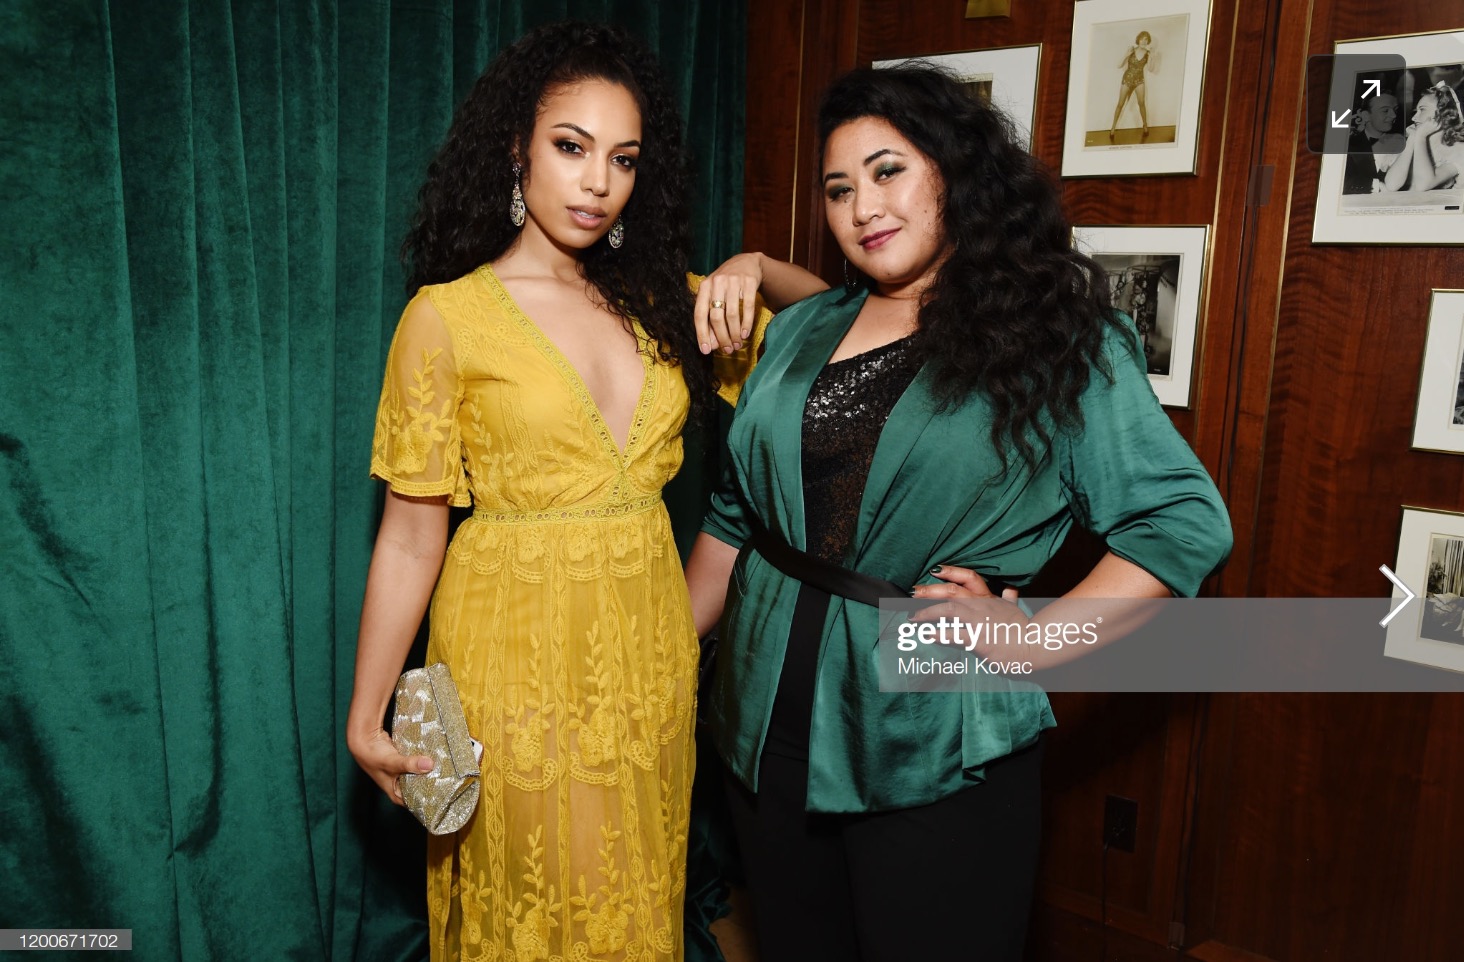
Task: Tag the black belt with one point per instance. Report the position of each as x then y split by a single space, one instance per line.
823 575
832 578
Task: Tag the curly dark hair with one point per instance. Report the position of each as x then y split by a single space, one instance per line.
1014 312
1447 112
462 210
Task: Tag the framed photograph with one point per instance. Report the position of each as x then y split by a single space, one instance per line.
1402 179
1430 562
1438 424
1156 275
1005 77
1137 70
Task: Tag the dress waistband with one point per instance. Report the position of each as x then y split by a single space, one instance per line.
571 513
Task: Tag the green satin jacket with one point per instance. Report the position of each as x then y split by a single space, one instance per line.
935 495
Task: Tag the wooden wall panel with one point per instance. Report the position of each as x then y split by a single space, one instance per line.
1137 747
1272 827
1330 828
795 47
1325 822
1348 350
774 68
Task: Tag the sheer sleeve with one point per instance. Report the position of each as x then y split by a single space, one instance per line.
731 370
417 448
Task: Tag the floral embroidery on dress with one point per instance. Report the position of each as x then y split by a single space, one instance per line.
562 612
603 911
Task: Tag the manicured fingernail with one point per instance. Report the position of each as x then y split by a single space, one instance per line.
424 765
936 569
747 332
737 346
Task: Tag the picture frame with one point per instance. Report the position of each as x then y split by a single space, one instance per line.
1117 123
1378 206
1438 421
1157 276
1006 77
1431 563
980 9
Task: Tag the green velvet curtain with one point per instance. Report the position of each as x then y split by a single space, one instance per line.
202 204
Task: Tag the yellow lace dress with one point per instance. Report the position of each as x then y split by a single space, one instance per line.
563 613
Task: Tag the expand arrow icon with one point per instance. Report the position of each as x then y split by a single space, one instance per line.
1408 595
1341 122
1371 89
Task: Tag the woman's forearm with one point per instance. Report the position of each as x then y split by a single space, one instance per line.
1117 594
707 571
405 563
1428 174
725 311
1421 171
785 283
1397 174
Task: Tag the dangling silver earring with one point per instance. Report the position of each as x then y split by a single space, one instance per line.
851 277
617 234
516 209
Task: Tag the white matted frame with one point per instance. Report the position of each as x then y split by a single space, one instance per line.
1431 562
1166 267
1005 76
1106 58
1392 215
1438 423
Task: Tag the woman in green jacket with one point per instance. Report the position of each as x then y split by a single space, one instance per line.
943 420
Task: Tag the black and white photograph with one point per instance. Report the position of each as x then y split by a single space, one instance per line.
1430 561
1458 419
1146 288
1134 87
1401 180
1443 610
1438 423
1004 77
980 86
1156 276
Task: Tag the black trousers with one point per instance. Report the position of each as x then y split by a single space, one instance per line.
952 880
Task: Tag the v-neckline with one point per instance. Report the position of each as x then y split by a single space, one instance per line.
572 377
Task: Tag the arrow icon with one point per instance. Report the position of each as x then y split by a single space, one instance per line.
1388 573
1341 121
1371 89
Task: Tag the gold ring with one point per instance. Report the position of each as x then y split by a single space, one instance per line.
719 305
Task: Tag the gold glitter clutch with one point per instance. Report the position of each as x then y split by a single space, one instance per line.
429 720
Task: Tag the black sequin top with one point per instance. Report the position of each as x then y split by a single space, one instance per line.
847 408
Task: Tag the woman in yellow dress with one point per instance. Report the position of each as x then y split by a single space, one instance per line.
542 374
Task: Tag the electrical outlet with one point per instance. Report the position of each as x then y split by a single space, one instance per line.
1120 822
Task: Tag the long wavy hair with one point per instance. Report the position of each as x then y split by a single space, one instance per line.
1014 312
1448 112
462 209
